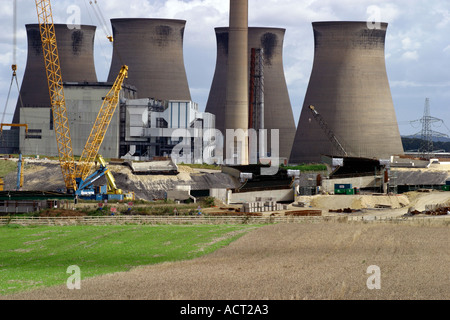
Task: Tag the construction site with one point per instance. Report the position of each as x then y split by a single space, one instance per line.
73 138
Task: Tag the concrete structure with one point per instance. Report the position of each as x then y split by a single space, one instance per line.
154 128
349 87
282 195
236 108
83 102
153 51
277 106
9 141
76 54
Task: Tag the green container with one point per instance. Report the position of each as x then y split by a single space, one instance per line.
344 191
446 188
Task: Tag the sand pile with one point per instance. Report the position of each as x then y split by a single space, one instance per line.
356 202
420 200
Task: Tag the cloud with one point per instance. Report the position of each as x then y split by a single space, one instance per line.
411 55
408 44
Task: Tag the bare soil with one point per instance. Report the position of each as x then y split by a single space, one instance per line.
311 261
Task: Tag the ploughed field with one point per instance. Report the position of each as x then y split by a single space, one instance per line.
325 260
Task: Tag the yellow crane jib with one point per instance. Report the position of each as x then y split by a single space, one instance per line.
56 90
100 127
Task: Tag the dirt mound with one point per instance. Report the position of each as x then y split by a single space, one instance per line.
420 200
46 175
356 202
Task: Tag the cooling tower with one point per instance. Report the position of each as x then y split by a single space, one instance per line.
153 51
277 106
76 54
237 100
349 87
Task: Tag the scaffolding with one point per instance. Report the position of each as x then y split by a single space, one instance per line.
256 114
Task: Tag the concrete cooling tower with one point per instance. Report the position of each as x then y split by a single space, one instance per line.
76 54
277 106
349 88
153 51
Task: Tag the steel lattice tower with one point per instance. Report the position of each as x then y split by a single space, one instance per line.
427 133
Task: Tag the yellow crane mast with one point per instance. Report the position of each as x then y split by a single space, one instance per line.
100 127
56 90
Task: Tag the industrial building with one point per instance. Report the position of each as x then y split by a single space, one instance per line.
156 117
152 129
349 87
76 53
83 101
156 69
83 93
273 108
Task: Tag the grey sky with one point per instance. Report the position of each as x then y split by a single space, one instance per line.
417 45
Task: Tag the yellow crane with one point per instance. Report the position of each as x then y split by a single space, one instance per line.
56 89
100 127
74 175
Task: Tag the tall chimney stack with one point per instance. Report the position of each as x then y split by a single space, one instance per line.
237 100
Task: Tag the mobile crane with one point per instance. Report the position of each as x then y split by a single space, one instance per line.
76 177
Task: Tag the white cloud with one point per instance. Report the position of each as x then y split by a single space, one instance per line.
411 55
409 44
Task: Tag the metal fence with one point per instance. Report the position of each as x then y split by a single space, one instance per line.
205 220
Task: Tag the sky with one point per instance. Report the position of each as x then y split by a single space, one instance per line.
417 44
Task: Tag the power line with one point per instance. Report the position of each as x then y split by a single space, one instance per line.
427 133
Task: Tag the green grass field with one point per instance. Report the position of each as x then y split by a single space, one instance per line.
7 167
32 257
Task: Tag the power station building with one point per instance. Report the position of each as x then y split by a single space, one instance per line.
156 75
83 102
154 128
349 88
275 106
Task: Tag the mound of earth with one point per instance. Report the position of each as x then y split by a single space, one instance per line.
356 202
46 175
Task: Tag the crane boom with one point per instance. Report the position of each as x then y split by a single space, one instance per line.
100 127
330 134
56 90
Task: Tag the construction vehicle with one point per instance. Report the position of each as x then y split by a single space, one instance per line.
330 134
77 177
110 191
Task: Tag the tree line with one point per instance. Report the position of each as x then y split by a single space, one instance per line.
414 144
